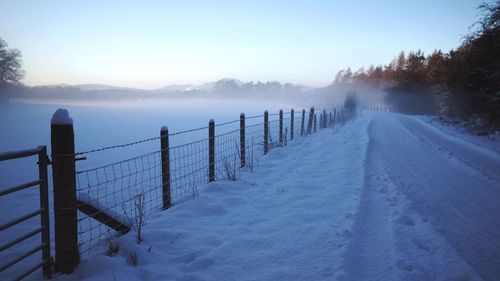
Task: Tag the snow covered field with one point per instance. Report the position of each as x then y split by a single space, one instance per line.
386 197
24 126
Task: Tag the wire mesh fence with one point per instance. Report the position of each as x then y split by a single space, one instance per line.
188 168
108 195
111 190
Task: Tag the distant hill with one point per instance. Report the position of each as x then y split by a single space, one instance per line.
205 87
176 88
225 88
100 87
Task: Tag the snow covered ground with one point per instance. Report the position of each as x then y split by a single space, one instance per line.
24 126
386 197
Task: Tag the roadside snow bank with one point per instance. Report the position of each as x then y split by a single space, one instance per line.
290 219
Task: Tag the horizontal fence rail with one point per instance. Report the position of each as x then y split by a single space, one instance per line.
43 212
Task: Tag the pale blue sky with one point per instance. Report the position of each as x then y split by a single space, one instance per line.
149 44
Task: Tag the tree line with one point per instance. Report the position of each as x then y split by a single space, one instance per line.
463 84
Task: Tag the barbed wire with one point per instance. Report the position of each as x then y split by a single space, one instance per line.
137 142
157 138
116 146
255 116
227 123
187 131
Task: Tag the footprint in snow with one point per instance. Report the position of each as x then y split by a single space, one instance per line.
211 210
187 258
214 188
346 233
404 265
212 240
192 263
383 190
242 230
406 220
349 216
201 263
187 278
421 244
235 201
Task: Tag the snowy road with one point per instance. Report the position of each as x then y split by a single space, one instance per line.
387 197
447 182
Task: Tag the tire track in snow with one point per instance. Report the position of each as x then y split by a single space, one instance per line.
390 240
369 253
436 213
454 187
483 161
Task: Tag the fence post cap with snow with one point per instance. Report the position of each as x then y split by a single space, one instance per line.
61 117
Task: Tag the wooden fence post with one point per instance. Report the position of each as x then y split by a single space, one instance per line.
291 125
303 119
314 120
331 120
313 114
266 132
67 255
242 140
334 116
211 150
310 121
281 127
324 119
165 167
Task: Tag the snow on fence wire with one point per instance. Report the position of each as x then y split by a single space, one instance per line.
111 197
